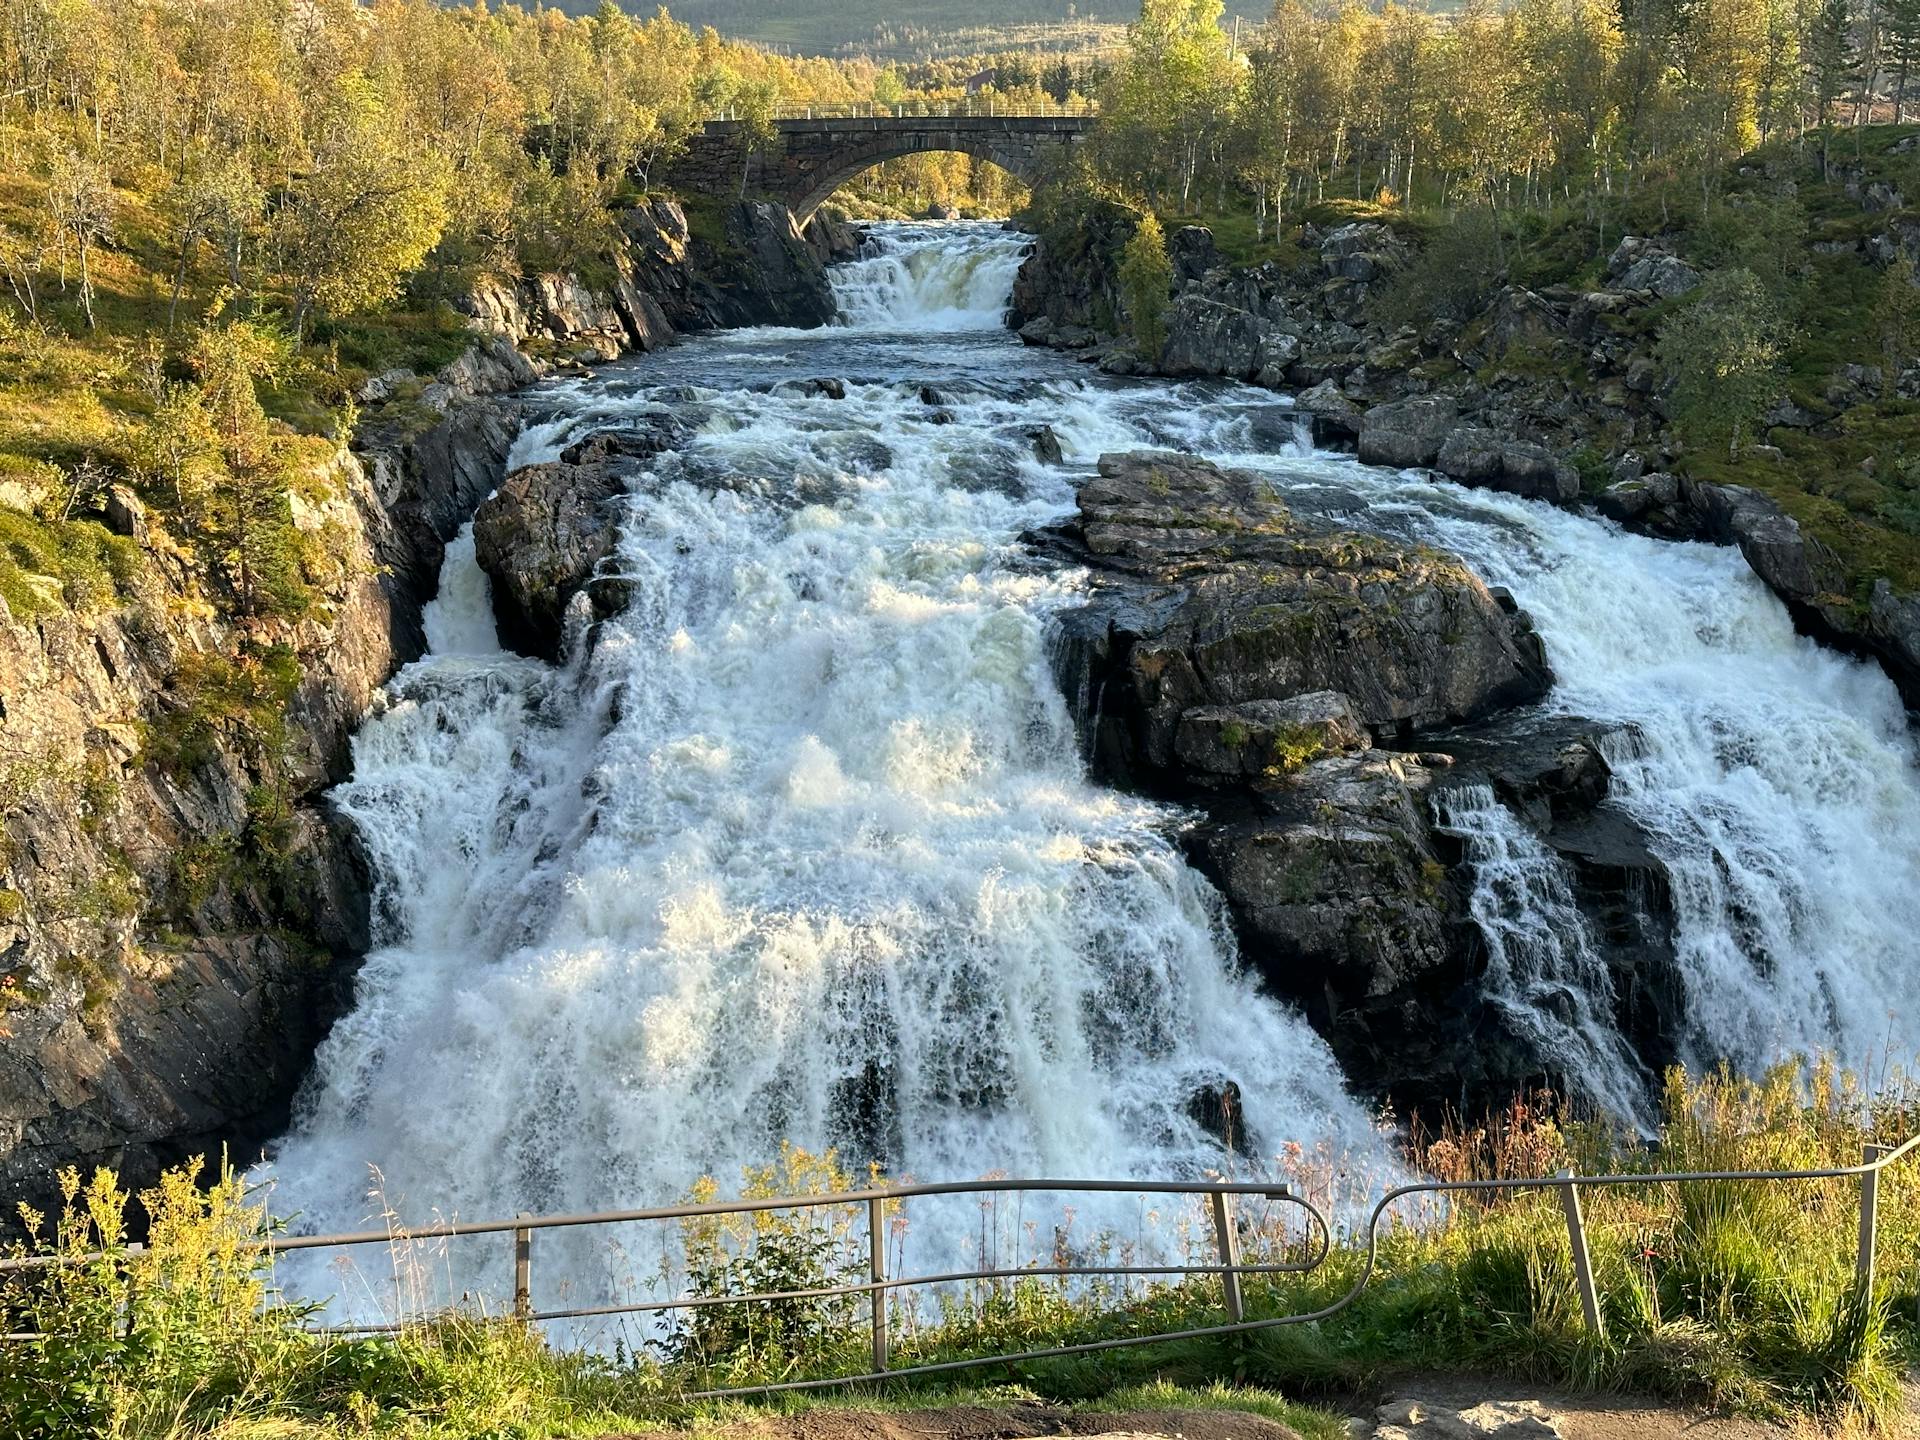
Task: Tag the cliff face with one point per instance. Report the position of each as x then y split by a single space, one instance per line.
180 911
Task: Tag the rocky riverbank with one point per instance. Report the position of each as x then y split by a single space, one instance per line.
1551 393
180 911
1308 691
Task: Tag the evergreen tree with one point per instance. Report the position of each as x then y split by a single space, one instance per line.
1833 61
1146 278
1902 50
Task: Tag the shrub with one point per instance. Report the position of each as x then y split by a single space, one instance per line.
1722 354
1452 278
1146 278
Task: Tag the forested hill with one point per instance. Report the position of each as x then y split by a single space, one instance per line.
918 29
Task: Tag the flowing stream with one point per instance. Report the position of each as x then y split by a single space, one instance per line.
803 849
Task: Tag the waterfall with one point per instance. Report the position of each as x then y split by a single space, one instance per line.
803 850
1544 971
900 282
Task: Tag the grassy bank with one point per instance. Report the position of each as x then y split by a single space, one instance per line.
1740 1296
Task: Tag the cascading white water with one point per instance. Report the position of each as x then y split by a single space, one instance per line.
901 283
803 849
1543 969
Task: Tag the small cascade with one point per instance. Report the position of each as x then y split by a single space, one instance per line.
1544 971
932 278
459 620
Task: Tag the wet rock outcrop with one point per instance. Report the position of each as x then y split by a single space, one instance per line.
1254 666
1232 600
1308 692
543 535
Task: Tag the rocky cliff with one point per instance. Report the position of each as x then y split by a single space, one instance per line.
180 913
1307 692
1508 399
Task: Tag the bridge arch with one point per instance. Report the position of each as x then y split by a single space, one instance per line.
849 164
808 160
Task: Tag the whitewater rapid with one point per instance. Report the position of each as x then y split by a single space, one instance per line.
801 848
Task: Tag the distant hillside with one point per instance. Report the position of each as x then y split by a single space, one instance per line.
916 29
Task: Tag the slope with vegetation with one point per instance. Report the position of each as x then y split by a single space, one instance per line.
1674 248
261 268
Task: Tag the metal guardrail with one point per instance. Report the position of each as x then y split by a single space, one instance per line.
1228 1265
977 107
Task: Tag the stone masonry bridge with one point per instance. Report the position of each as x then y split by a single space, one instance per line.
807 160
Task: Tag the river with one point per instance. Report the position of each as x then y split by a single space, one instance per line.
803 847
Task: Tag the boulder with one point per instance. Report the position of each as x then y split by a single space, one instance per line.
1475 456
1854 385
491 367
1279 348
1520 317
383 386
542 535
1209 593
1205 337
1494 1419
1268 737
1335 418
1664 275
1192 252
1633 501
1038 331
1361 251
1046 446
1407 433
125 513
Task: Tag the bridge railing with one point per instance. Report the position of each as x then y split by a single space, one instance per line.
982 107
1228 1222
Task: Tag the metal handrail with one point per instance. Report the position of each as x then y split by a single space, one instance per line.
1228 1265
973 107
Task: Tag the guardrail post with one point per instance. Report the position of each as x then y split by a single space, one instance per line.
523 1270
1582 1261
877 1269
133 1250
1869 1217
1227 1242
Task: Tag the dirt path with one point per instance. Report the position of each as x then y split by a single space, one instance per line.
1603 1417
1579 1417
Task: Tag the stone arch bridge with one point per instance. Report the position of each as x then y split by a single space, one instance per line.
807 160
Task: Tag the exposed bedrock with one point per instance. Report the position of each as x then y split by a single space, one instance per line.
1255 667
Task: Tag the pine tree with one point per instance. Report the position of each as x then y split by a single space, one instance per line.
1902 50
1146 277
1833 61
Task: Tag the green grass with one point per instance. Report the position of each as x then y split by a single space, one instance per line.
48 566
1736 1296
